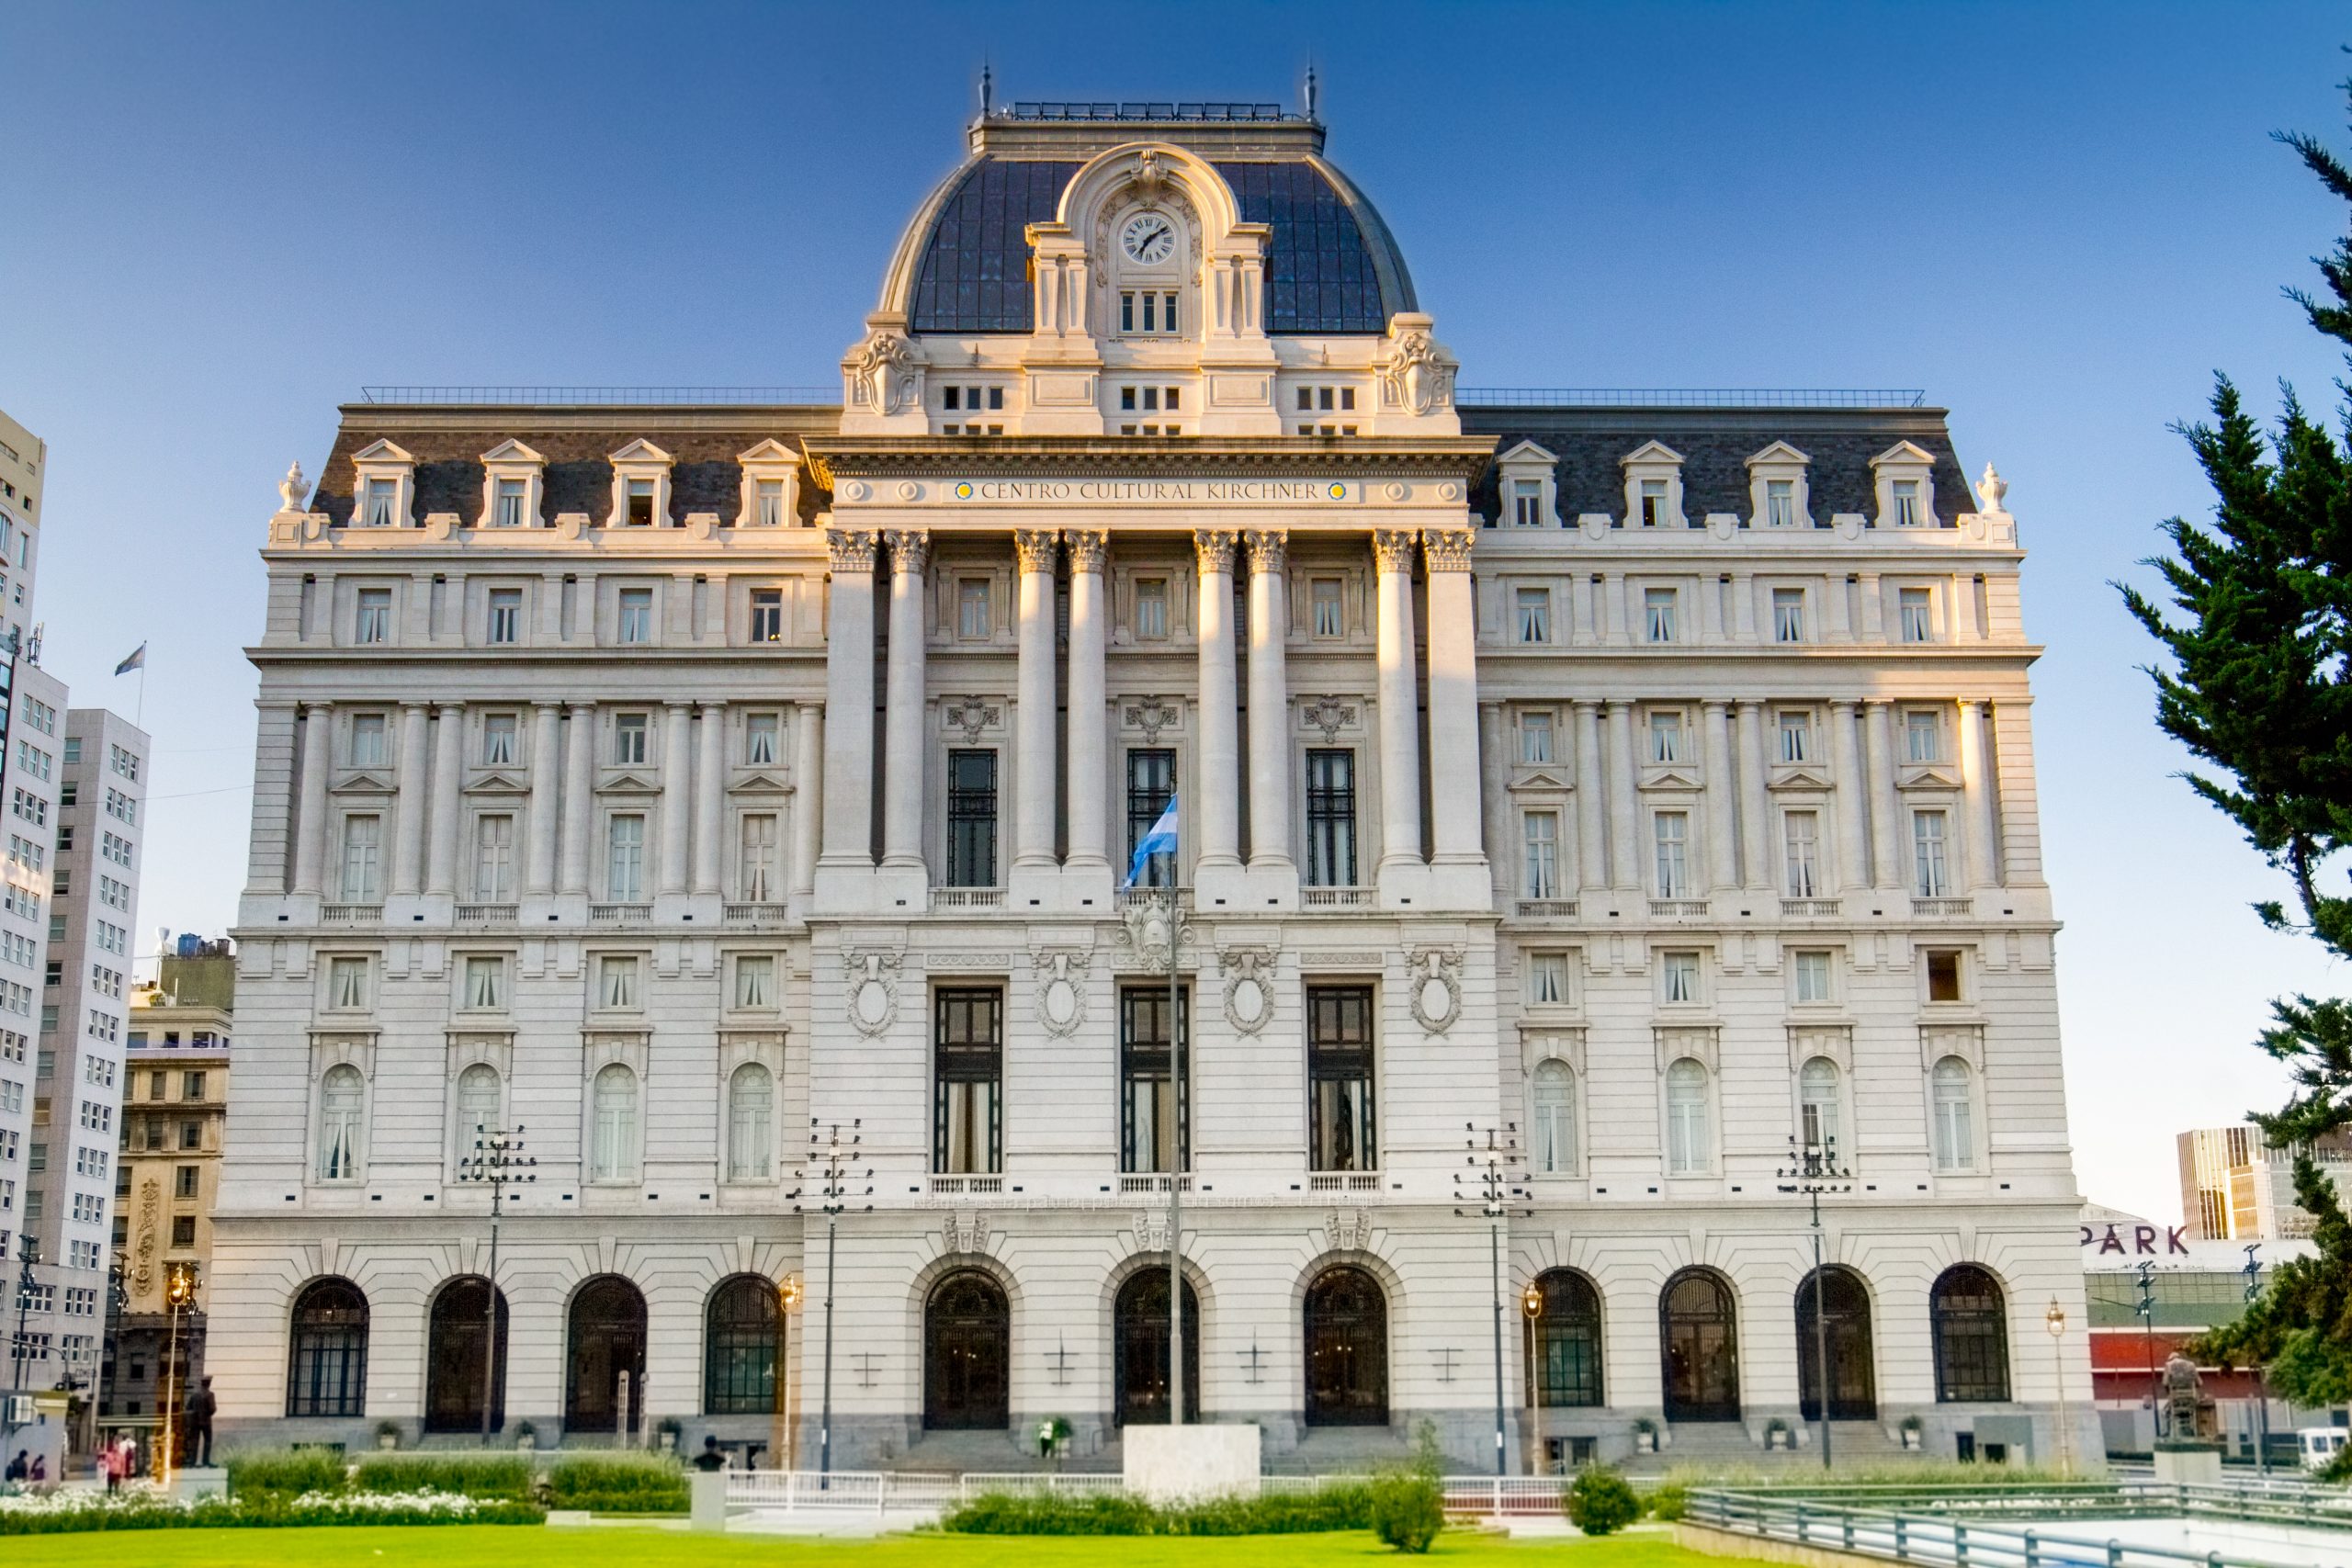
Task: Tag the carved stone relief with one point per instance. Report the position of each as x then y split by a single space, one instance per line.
870 989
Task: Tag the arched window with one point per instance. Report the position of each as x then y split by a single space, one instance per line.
326 1370
457 1333
480 1096
1554 1119
342 1096
742 1343
967 1354
751 1124
1840 1324
1817 1104
1347 1350
1971 1322
1953 1105
1566 1339
1141 1326
612 1150
1690 1141
607 1371
1699 1327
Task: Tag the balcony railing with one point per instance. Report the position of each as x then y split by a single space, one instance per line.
1338 898
351 914
952 1185
968 898
1547 908
1678 908
1807 909
486 914
1152 898
1353 1181
752 914
616 914
1943 908
1148 1184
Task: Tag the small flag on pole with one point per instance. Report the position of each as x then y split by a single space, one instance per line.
138 660
1160 840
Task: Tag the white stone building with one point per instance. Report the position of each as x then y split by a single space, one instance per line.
1644 785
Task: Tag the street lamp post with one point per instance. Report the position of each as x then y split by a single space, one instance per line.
1531 1304
499 1161
788 1302
2253 1272
1486 1174
826 1180
2054 1320
1812 1170
179 1292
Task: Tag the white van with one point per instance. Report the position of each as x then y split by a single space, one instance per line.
2322 1444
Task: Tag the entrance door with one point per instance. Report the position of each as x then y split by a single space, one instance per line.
967 1355
607 1346
1699 1330
453 1358
1142 1345
1854 1391
1347 1350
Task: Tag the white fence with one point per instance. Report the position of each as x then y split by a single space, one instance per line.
877 1492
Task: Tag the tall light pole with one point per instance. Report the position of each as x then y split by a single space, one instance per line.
179 1293
2253 1272
788 1302
498 1161
827 1179
1156 947
1486 1174
2054 1320
1812 1170
1532 1304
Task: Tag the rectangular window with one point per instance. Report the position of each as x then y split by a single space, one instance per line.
762 731
972 818
972 618
767 504
1547 979
375 615
505 614
1330 818
1153 1135
184 1180
1527 502
508 512
1151 607
1779 504
1922 736
629 739
1653 503
1535 738
624 859
1800 854
498 741
1151 780
1812 973
1677 976
362 859
755 981
1796 735
967 1066
1943 975
1930 877
184 1230
495 859
377 504
1341 1133
1658 605
1541 830
1672 830
1534 614
639 504
346 983
767 615
123 762
636 614
1328 614
1666 736
485 981
755 877
368 739
616 981
1918 618
1788 614
1907 503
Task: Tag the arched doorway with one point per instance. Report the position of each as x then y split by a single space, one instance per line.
607 1341
742 1341
1698 1329
1970 1317
1347 1350
457 1334
967 1355
1846 1314
1563 1340
1140 1349
326 1371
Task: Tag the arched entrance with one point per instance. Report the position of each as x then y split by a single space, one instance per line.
1563 1340
1846 1312
1699 1330
327 1368
456 1335
1140 1349
742 1340
967 1355
1347 1350
607 1346
1970 1318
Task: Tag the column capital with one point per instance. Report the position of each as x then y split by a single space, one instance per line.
1269 548
1844 705
1036 549
1586 704
851 549
581 710
708 707
1214 548
548 704
1715 705
910 549
1090 549
415 704
1391 548
451 710
678 704
1447 549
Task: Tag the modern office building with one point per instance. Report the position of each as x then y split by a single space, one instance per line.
2235 1185
1637 786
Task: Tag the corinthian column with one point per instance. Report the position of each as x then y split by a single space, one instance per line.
1844 757
710 774
408 837
546 738
808 808
311 824
1592 853
1088 788
849 698
1216 811
1624 794
441 843
1269 702
676 720
902 766
1755 805
1400 718
1886 803
1453 697
1976 783
579 797
1033 722
1723 852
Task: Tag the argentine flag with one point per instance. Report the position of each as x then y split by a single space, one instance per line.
1160 840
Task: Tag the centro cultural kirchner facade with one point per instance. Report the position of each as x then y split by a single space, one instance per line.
1647 782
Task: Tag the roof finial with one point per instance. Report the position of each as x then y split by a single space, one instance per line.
987 87
1310 86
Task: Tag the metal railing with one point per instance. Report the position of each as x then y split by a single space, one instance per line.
1934 1538
1692 397
602 397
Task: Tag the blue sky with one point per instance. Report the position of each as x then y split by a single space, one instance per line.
218 221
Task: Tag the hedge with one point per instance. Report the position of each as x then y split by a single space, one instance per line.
284 1473
1341 1508
479 1476
618 1483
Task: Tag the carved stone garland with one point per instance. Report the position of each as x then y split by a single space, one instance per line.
1436 987
1248 987
870 990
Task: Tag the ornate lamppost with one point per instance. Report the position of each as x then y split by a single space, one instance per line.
499 1162
1531 1304
788 1302
1485 1178
179 1294
1812 1170
2054 1320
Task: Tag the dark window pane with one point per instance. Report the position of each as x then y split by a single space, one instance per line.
972 818
1151 779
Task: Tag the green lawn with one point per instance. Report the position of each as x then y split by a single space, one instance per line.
467 1546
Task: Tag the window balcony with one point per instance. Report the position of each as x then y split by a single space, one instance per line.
967 898
1338 897
1943 908
1546 909
1150 1183
486 914
753 914
1353 1181
1678 908
619 914
351 914
954 1185
1807 909
1152 898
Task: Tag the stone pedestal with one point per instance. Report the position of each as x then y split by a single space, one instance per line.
2188 1463
707 1499
1178 1464
188 1486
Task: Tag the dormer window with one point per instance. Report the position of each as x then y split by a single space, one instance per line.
768 498
771 484
1907 503
641 487
640 513
376 508
1528 477
1653 486
1778 489
508 512
1779 504
1905 496
1147 312
1653 503
1527 503
511 478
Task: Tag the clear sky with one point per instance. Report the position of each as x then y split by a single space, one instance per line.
217 222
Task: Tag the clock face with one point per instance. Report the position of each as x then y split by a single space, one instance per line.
1148 238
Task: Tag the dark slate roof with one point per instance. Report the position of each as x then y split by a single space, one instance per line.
1715 444
1321 276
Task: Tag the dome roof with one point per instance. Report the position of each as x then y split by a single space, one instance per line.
1331 265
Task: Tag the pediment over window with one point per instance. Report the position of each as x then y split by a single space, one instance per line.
628 784
755 780
1672 777
641 451
775 467
1656 464
641 486
1799 776
367 781
1539 779
383 489
1905 452
1780 453
1778 466
1653 452
512 451
1928 775
496 782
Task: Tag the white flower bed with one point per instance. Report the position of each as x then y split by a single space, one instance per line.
457 1504
76 1499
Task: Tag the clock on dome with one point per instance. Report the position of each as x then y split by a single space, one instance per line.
1148 238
